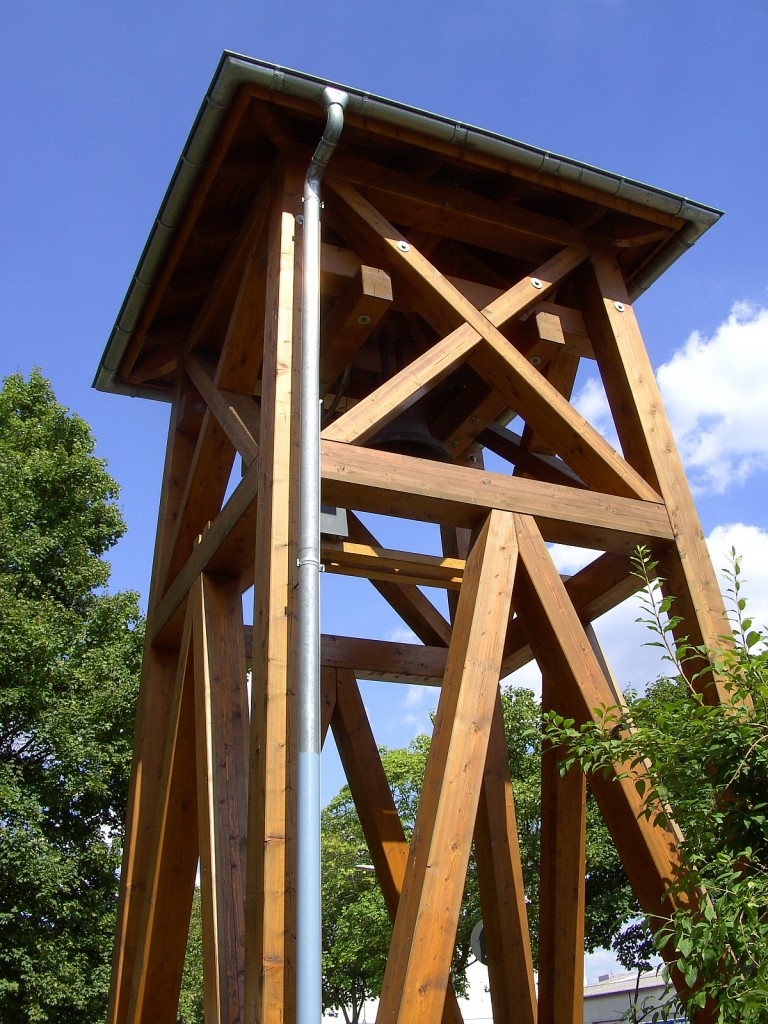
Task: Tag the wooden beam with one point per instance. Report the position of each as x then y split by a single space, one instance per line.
351 322
347 558
564 653
226 547
221 729
270 883
416 610
150 737
370 790
552 417
375 806
418 968
646 436
562 885
399 485
232 299
502 891
167 881
421 375
182 233
508 370
509 445
206 485
237 415
451 211
496 360
327 699
386 660
244 337
593 590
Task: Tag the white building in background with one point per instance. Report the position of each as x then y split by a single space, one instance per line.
605 1002
615 994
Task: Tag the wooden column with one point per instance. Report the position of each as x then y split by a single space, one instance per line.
159 698
562 883
502 892
646 437
221 713
171 862
270 903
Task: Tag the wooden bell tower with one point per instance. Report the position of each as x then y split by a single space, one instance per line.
464 279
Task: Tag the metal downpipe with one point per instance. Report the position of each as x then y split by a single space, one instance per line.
308 883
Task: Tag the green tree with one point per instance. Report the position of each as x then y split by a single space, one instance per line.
356 927
69 662
709 768
192 995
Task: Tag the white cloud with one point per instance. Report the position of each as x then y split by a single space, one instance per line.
751 545
624 640
590 400
716 394
402 635
715 391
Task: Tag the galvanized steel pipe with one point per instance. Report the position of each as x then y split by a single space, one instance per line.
309 920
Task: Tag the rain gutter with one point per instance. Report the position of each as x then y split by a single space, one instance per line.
235 70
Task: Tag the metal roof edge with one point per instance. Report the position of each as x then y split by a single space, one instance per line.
236 69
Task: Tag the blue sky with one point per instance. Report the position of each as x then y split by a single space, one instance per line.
98 99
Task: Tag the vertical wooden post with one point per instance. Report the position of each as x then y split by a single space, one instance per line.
171 862
221 714
562 884
158 696
502 892
270 905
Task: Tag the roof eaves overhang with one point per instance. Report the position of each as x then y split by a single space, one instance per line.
235 70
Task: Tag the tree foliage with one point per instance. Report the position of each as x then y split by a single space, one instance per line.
69 661
356 927
709 768
192 995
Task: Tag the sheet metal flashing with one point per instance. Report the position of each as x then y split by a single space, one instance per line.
235 70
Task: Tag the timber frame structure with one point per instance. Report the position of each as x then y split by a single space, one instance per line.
464 277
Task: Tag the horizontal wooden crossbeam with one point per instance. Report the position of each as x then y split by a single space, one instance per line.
398 485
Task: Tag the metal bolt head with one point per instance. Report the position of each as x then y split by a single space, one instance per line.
453 443
403 246
535 360
619 306
536 282
363 319
472 459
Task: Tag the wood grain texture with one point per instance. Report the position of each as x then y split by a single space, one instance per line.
383 831
502 892
270 884
400 485
221 734
562 886
425 928
646 436
168 877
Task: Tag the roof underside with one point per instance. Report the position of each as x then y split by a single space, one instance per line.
507 203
